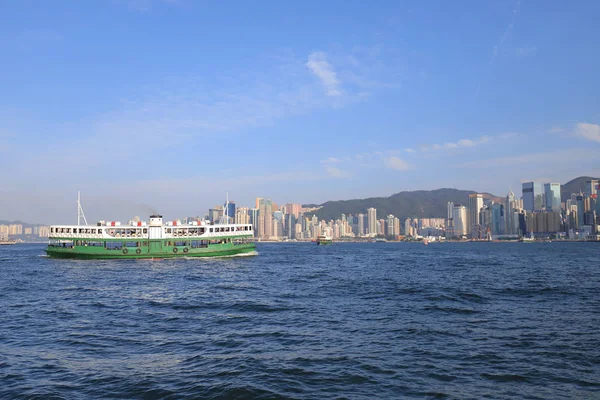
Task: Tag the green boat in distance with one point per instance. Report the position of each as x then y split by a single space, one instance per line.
323 240
111 240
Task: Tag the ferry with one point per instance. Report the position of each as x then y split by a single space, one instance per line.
324 239
111 240
155 239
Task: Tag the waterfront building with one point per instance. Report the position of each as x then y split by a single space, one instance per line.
533 194
215 214
290 225
390 226
591 187
498 219
552 196
580 210
265 218
475 205
44 231
372 221
294 209
396 226
460 220
229 210
242 215
361 224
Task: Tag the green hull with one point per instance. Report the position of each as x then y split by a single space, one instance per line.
145 252
324 242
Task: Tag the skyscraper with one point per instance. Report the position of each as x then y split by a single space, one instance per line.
372 221
361 224
265 218
591 187
533 196
391 231
475 204
459 217
229 210
552 195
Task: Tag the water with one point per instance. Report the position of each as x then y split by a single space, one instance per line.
358 321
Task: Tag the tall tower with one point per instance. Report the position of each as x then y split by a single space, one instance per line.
372 221
475 204
552 195
533 195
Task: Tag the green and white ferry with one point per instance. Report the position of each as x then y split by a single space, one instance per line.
155 239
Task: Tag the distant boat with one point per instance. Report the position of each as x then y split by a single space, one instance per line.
6 242
528 239
324 239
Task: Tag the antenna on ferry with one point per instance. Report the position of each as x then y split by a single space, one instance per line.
225 215
80 213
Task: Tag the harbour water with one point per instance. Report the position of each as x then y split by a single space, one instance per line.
356 320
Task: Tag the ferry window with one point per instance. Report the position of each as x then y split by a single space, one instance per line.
94 231
99 231
145 230
211 230
168 230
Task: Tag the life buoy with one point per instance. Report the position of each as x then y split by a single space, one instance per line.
138 251
185 250
125 251
175 249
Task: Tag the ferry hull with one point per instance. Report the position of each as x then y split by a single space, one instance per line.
90 253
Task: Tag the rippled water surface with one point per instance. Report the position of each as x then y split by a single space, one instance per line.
372 320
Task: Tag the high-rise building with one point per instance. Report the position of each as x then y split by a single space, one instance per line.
372 221
390 226
498 219
580 210
265 219
215 214
242 215
290 225
293 209
475 204
552 196
591 187
460 219
361 224
533 194
229 210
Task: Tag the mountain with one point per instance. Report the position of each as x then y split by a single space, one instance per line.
418 203
25 224
575 186
421 203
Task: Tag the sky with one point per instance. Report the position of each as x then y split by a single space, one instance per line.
167 105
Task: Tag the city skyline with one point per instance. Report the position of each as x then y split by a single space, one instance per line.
167 105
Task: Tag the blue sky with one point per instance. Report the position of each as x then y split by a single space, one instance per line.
166 105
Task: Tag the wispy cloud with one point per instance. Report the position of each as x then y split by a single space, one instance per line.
396 163
463 143
588 131
549 157
506 33
318 65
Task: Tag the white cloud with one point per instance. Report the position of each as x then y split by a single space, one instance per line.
397 164
331 160
588 131
319 66
466 143
409 150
